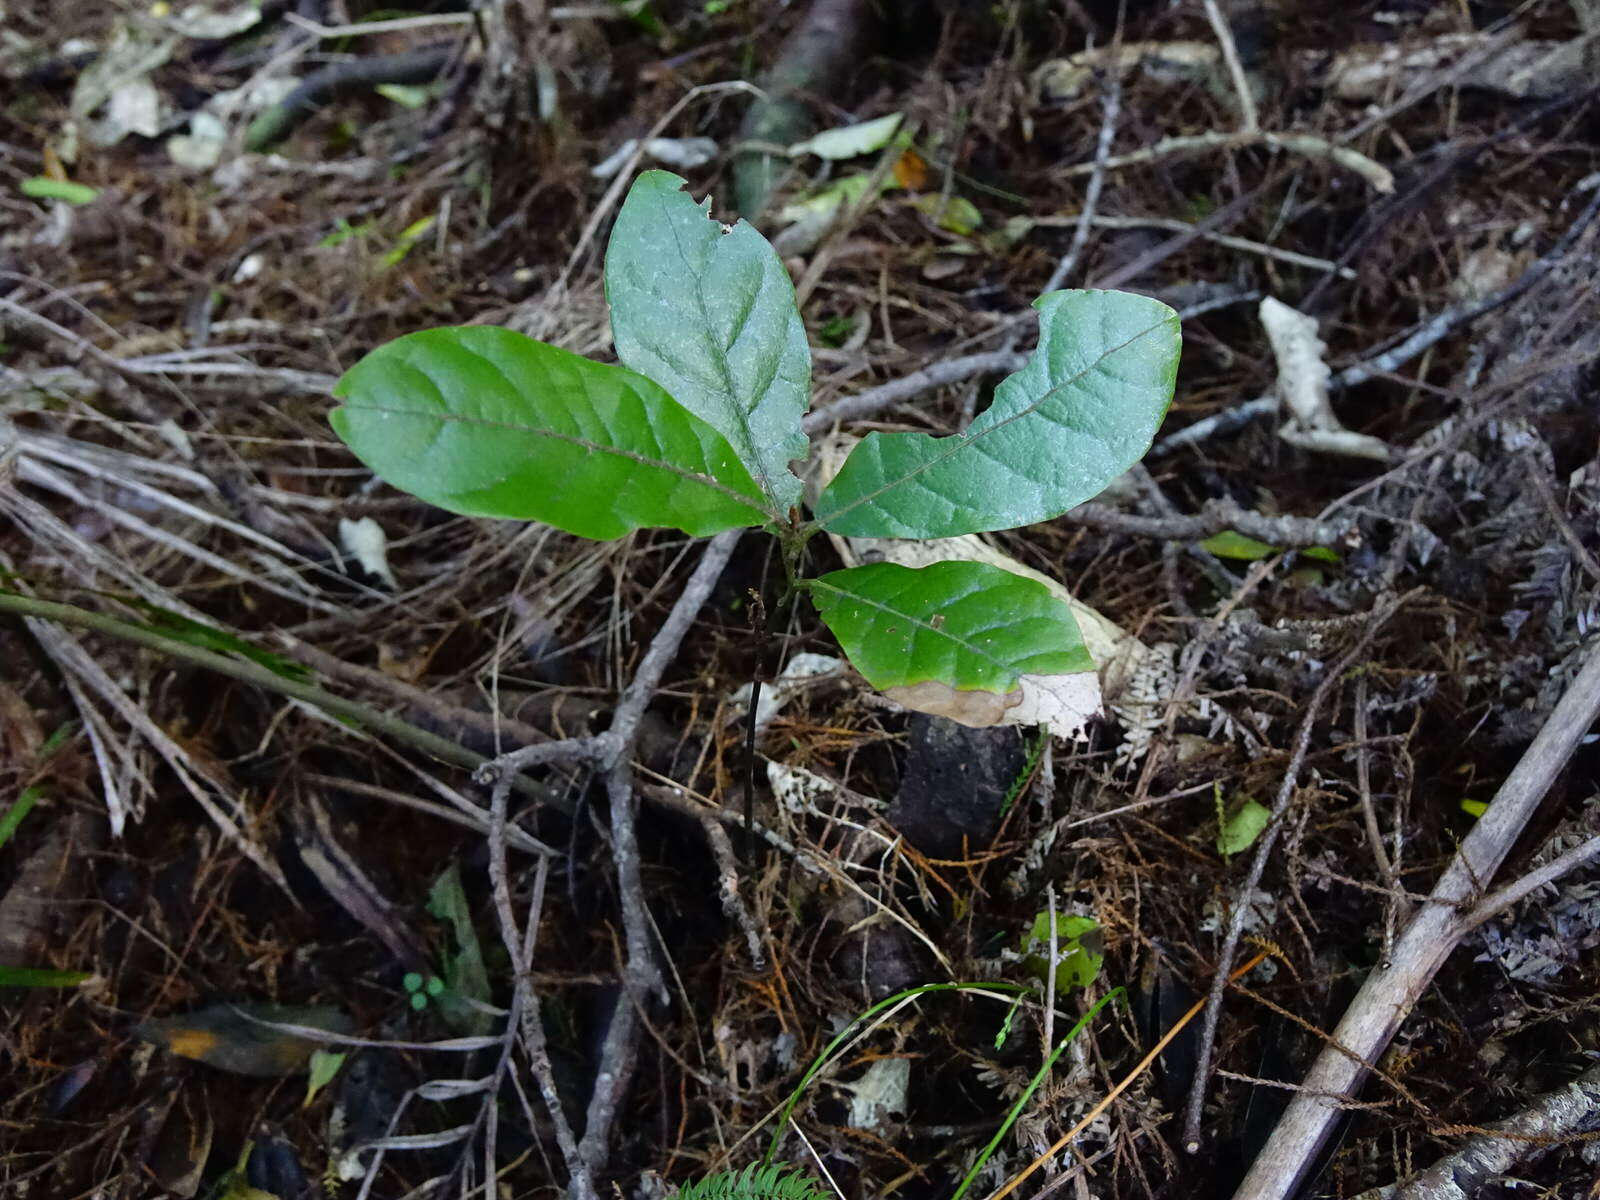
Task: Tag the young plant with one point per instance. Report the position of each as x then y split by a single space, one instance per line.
700 427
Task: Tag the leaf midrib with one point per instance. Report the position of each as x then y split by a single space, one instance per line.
1015 676
755 504
965 441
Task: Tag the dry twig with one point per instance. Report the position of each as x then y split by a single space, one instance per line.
1388 995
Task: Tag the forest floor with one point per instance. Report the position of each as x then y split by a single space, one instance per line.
1339 624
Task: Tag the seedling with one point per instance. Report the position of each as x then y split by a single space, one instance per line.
422 990
1079 950
700 426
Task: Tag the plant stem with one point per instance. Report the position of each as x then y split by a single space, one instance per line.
249 672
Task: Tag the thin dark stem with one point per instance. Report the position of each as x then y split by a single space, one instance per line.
249 672
750 770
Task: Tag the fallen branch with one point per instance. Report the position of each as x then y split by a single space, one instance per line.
1570 1110
1216 516
279 121
1391 991
1422 337
1304 144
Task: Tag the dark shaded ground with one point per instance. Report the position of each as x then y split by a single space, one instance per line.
167 351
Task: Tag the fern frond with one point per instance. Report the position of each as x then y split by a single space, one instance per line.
779 1181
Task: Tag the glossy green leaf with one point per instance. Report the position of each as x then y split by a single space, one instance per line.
488 423
968 626
708 312
1082 410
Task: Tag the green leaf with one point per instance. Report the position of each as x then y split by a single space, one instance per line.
178 628
42 187
1321 554
41 977
848 141
1079 950
1474 808
828 200
325 1065
488 423
1229 544
407 95
1241 826
708 312
956 214
468 977
1082 410
968 626
19 809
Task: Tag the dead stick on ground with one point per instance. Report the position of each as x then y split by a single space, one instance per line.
1388 996
641 976
1230 55
1571 1109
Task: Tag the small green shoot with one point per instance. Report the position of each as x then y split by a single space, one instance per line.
343 231
41 977
1025 776
42 187
1079 950
1033 1086
700 426
422 990
1239 824
19 809
409 237
324 1066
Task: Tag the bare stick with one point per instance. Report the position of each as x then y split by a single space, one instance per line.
1572 1108
1388 996
1250 122
1425 335
249 672
1091 197
875 400
1503 898
1305 144
640 976
727 866
1216 516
